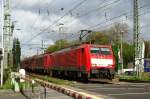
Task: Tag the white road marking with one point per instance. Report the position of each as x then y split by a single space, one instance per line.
115 88
129 94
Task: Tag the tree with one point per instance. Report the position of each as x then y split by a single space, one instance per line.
128 54
98 38
114 32
147 49
60 44
16 51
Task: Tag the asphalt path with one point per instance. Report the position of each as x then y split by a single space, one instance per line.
39 93
119 91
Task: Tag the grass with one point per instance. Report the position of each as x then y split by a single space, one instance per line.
144 77
59 81
128 78
7 84
56 80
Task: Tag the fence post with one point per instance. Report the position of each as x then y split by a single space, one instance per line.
44 92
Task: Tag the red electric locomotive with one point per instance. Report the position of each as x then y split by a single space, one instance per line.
84 61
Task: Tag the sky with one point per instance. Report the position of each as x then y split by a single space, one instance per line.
58 19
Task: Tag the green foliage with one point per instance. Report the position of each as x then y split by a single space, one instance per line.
58 81
115 31
144 77
128 54
147 49
60 44
115 50
98 38
52 48
7 84
16 51
129 78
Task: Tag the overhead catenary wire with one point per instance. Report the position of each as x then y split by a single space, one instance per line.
116 17
99 8
68 11
80 3
108 20
71 11
17 5
108 25
36 19
103 5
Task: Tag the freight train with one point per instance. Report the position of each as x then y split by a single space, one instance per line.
86 61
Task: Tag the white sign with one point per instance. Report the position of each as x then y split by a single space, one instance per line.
22 73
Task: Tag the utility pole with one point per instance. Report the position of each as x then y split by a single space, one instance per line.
136 38
61 34
43 47
2 47
121 50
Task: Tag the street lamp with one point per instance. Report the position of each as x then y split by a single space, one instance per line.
121 41
61 32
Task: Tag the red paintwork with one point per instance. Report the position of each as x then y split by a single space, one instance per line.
77 57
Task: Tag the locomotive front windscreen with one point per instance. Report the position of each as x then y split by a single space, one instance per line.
101 50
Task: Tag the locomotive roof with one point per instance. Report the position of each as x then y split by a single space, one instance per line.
67 49
80 46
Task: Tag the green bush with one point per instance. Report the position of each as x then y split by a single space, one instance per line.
7 84
146 76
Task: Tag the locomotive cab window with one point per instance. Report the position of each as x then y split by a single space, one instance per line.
102 50
95 50
105 51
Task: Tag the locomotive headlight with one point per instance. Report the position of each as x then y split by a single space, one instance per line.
94 64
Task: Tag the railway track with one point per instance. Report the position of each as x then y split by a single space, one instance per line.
104 81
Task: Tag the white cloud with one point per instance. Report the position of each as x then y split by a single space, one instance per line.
31 22
29 3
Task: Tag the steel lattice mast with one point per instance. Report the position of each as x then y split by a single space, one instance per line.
7 31
2 49
7 34
136 38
